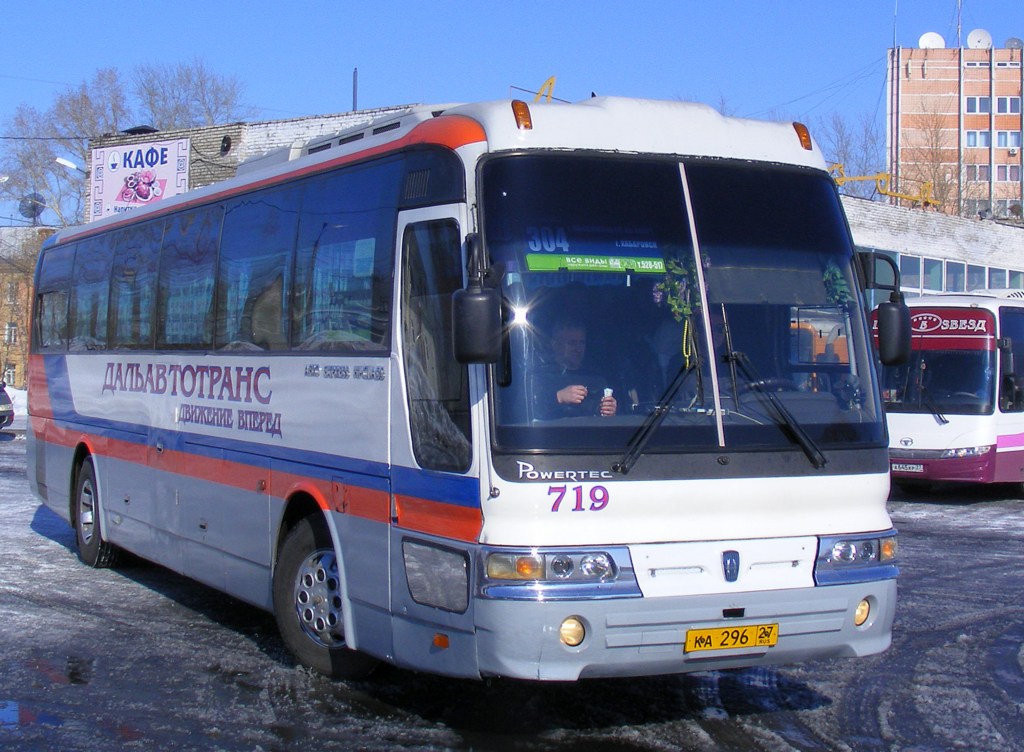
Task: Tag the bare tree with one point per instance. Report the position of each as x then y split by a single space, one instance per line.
166 97
859 146
37 138
188 95
930 156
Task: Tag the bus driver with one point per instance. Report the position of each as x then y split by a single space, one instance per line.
575 391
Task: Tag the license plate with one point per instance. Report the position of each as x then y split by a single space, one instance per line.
731 638
903 467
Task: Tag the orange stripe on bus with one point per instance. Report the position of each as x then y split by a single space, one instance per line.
436 518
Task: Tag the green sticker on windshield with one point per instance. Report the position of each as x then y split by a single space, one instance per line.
571 262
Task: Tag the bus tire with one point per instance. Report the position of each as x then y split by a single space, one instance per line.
92 549
308 603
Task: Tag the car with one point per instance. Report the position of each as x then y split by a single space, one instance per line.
6 408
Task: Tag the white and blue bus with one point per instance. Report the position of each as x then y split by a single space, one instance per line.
500 389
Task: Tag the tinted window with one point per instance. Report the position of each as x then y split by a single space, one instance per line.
187 268
52 298
256 270
438 385
133 285
343 264
90 296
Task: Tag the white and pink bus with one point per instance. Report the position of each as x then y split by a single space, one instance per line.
956 408
500 389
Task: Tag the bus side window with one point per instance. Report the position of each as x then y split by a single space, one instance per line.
185 286
52 299
256 250
1011 382
438 385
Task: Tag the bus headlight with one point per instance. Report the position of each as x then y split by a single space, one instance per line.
856 558
976 451
587 566
558 574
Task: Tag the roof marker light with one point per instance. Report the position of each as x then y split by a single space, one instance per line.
521 110
804 135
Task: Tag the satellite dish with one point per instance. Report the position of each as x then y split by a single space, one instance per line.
931 40
1014 43
979 39
32 205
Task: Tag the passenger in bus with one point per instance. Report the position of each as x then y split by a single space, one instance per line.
567 389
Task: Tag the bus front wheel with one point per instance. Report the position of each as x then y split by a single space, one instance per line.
308 603
92 549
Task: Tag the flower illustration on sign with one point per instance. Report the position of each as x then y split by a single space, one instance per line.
140 187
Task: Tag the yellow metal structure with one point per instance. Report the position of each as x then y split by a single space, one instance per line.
923 196
548 88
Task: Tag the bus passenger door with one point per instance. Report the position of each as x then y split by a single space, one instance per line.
435 501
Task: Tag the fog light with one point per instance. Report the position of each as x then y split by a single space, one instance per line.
571 632
862 613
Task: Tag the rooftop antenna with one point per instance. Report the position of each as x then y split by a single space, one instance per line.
355 89
959 20
895 13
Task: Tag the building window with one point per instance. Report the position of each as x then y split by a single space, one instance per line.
11 333
976 173
997 279
1007 139
12 292
979 105
1008 173
933 275
954 276
979 138
1007 105
975 277
910 272
1016 280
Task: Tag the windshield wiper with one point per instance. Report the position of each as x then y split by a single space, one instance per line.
786 417
927 402
642 437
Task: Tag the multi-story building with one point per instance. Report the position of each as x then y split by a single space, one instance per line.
19 247
955 122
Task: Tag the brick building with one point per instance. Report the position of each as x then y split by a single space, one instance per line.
19 248
955 122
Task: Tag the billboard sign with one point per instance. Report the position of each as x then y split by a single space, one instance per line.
128 176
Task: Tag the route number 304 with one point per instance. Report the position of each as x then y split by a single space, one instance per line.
594 501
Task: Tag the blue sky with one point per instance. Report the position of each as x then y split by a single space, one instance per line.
800 59
763 59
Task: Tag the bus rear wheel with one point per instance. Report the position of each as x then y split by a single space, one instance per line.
92 549
308 603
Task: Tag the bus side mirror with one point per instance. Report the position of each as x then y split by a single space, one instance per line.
476 323
1005 345
893 331
476 310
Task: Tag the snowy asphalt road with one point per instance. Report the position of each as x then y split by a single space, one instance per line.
139 658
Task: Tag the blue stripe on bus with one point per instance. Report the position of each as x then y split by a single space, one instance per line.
424 484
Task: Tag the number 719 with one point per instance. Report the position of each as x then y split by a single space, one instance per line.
598 498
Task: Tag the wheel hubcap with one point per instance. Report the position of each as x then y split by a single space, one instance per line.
318 599
86 512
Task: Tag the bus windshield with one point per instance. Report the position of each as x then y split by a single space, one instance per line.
717 296
952 365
